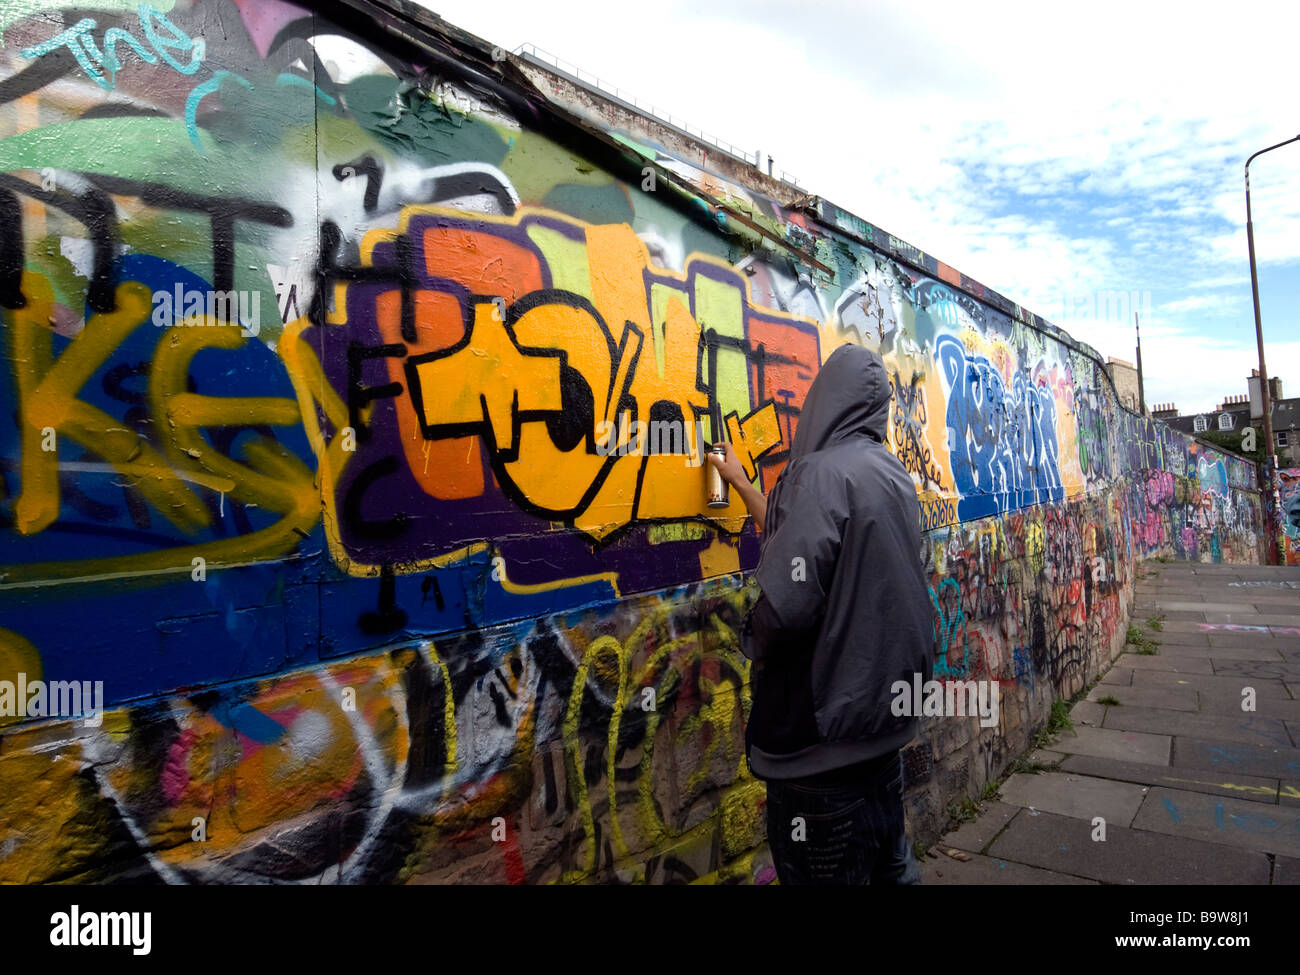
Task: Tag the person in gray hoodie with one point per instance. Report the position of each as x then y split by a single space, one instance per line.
844 612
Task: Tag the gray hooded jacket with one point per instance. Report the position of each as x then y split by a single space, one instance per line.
845 610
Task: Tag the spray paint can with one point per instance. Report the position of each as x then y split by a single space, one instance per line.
719 489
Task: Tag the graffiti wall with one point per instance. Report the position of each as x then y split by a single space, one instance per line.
1289 492
353 402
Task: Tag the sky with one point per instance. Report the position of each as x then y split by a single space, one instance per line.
1055 155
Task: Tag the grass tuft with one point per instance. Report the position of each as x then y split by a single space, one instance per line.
1140 642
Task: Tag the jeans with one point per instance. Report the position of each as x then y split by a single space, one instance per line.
843 828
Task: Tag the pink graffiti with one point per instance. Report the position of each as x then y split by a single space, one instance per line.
1153 531
175 776
1160 488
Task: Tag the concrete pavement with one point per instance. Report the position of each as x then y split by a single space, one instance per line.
1185 784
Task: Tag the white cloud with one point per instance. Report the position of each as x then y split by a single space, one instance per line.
1200 303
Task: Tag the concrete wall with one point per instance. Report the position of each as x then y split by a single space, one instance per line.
369 598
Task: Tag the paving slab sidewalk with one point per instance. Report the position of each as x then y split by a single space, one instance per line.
1183 766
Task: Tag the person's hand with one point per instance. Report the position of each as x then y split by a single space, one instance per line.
733 472
729 466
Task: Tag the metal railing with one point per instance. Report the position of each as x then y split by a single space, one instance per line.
590 80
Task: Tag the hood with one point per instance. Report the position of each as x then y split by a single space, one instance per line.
849 396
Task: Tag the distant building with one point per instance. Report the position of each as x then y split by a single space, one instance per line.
1236 413
1125 377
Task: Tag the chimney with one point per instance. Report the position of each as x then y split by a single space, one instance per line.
1256 398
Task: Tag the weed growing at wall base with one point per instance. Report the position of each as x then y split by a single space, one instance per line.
1141 643
1058 722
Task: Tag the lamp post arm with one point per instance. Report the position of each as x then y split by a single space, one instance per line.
1261 152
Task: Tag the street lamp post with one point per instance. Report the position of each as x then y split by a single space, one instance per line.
1265 403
